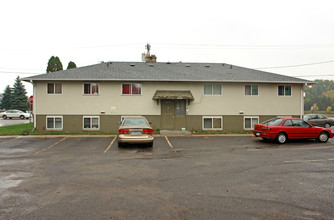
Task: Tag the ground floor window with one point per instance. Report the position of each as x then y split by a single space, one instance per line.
212 123
250 121
91 122
54 122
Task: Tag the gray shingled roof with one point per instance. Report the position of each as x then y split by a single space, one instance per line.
182 72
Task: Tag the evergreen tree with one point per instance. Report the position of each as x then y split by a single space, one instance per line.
6 97
54 65
71 65
19 99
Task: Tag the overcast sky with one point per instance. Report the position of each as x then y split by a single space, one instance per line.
289 37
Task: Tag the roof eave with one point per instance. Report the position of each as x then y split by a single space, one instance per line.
167 80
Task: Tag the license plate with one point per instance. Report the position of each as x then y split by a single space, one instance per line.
258 134
135 133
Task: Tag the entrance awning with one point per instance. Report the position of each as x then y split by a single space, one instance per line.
172 94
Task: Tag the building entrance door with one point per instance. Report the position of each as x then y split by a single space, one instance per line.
173 114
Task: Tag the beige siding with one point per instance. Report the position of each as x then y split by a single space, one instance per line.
111 102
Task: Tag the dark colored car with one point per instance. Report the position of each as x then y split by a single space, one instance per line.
319 120
282 129
135 130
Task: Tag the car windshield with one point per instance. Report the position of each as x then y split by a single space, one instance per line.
134 121
274 121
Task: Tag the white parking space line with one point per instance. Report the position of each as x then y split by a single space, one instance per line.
170 145
110 145
49 146
6 142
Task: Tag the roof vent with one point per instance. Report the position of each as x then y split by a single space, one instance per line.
207 65
132 64
230 66
223 64
151 65
168 62
188 65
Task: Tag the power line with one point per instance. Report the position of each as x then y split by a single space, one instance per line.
19 72
297 65
4 68
203 46
253 46
315 75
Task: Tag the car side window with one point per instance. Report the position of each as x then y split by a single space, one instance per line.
299 123
287 123
322 117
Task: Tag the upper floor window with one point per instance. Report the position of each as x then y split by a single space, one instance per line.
131 89
251 89
91 89
55 88
212 89
284 90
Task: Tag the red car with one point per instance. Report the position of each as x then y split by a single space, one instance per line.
282 129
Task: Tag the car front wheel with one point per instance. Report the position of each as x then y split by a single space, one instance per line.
323 137
22 117
281 138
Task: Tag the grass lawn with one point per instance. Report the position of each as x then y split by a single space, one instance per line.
26 129
16 129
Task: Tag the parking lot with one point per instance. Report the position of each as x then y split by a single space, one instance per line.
14 121
197 177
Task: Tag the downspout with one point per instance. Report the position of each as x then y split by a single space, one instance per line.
302 101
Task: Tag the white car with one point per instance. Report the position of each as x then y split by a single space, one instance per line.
14 114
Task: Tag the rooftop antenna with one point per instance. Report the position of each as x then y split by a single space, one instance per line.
147 57
148 47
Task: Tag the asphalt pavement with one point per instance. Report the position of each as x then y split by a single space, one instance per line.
14 121
201 177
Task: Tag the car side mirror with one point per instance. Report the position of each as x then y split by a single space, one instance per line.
119 122
150 122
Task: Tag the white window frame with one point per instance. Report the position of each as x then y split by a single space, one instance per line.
141 88
91 117
251 117
211 84
212 117
251 90
54 88
284 91
54 117
90 85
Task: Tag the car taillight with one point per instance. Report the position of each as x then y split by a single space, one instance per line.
148 131
123 131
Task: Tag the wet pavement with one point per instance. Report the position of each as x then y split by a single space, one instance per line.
201 177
